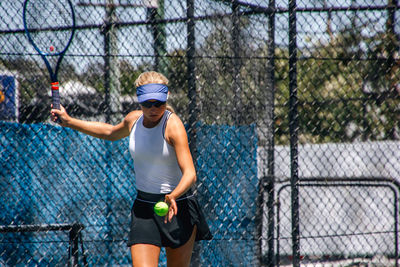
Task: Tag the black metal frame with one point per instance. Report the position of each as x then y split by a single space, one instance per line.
334 182
74 230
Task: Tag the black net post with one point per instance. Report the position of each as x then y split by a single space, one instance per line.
74 234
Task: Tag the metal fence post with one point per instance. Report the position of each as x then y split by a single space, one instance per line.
293 128
73 239
192 96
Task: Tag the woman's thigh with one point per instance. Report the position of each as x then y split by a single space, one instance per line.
145 255
180 257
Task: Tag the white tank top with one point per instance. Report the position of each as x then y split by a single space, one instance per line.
154 160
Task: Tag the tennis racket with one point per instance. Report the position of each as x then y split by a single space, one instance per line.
50 27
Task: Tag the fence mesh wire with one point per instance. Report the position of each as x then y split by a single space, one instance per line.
242 74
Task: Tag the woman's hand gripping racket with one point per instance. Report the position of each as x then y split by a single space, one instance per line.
50 27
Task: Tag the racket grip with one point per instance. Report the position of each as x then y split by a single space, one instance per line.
55 95
55 98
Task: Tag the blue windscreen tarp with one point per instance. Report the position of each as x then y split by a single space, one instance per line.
51 174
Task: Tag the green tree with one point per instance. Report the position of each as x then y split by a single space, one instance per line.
222 90
335 105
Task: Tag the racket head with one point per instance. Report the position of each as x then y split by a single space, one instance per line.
49 25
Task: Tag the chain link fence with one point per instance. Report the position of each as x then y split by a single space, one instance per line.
292 112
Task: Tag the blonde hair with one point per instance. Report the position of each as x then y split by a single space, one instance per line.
151 77
171 109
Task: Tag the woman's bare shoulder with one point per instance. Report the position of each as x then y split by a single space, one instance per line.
132 117
175 129
175 121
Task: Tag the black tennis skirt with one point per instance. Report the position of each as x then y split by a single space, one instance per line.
148 228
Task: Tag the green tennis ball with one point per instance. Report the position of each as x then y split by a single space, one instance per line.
161 208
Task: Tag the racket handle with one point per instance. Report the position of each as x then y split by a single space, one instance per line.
55 97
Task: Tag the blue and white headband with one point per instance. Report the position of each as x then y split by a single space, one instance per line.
152 91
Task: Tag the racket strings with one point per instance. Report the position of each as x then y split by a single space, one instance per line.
49 24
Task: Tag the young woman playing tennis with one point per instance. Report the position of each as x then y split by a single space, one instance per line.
164 171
